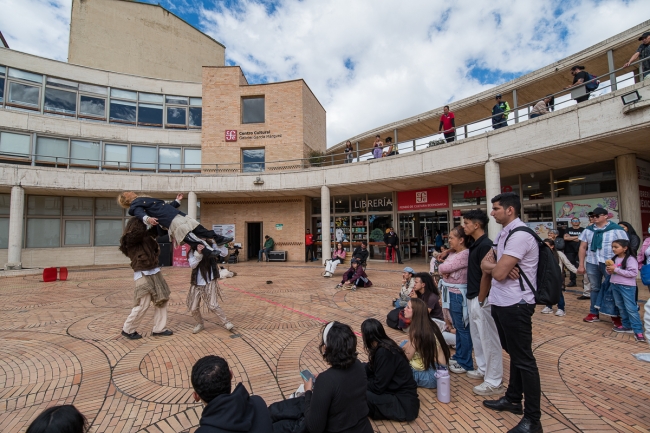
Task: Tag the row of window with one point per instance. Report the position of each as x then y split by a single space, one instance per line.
53 221
64 152
29 91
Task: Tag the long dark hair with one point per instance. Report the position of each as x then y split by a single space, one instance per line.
65 418
425 335
341 348
206 265
430 286
631 234
551 242
628 252
551 104
372 331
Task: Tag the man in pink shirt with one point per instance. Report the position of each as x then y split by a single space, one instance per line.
513 305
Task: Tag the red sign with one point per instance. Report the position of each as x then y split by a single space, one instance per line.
478 193
457 213
644 197
180 256
231 135
431 198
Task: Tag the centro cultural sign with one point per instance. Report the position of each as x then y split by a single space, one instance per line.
232 135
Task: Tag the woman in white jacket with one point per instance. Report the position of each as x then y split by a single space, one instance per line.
562 261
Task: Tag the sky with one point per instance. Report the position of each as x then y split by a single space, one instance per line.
369 62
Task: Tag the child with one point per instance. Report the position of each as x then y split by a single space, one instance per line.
623 269
203 285
354 277
181 228
562 260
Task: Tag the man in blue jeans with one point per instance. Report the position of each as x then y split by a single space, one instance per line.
268 247
596 247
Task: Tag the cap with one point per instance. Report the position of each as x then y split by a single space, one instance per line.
645 35
498 96
409 270
590 214
600 211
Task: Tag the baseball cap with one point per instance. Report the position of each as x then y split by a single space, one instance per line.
409 270
498 96
645 35
600 211
590 214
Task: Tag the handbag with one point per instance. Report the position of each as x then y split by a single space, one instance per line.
645 274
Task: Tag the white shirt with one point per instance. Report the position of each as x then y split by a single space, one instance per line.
599 256
139 274
194 260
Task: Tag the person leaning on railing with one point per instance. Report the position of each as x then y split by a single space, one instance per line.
543 107
644 53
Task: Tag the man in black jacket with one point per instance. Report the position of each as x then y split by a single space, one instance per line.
226 411
361 253
392 241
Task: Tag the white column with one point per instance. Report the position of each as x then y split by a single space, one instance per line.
492 188
191 204
326 246
16 210
628 191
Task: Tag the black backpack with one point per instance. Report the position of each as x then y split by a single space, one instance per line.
549 276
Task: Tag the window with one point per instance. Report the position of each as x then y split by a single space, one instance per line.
192 158
342 204
43 232
92 107
89 88
123 111
43 205
2 84
24 75
108 207
77 206
176 117
195 112
52 150
594 178
77 232
14 145
5 203
85 153
252 110
24 96
253 160
116 155
58 100
178 100
536 186
143 157
4 233
108 232
169 159
150 114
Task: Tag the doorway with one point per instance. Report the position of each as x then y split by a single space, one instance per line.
418 231
253 240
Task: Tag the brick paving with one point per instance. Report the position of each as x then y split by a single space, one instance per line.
60 343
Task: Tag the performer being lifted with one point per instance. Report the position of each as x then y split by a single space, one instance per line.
181 227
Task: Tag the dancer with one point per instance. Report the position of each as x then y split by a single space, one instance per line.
181 227
139 245
204 286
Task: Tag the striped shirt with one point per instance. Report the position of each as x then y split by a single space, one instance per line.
605 253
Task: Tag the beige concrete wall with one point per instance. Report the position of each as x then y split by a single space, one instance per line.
314 121
69 256
140 39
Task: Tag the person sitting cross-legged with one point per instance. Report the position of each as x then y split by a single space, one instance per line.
354 277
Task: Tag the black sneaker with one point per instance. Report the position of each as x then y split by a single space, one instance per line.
224 241
583 297
165 333
503 404
571 284
132 336
526 425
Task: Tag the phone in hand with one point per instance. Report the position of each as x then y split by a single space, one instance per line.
306 375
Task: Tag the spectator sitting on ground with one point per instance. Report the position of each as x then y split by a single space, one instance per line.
544 106
392 391
425 289
407 287
361 253
338 256
59 419
226 411
354 277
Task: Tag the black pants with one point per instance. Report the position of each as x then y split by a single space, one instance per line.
500 124
583 98
450 136
390 406
203 233
515 327
309 249
574 259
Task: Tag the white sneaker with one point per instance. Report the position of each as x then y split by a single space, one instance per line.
198 328
455 367
328 274
474 374
487 389
560 313
229 326
547 310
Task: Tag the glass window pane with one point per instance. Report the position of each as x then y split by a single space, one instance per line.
195 116
192 159
378 226
43 205
4 233
252 110
150 97
122 111
43 233
62 83
2 71
99 90
60 101
358 203
52 150
24 75
24 95
253 160
124 94
77 233
169 158
594 178
116 154
536 186
197 102
91 106
107 207
77 206
342 204
5 200
15 145
176 116
181 100
108 232
2 89
150 115
143 157
380 202
84 152
315 206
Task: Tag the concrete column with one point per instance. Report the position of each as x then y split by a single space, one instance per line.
515 102
492 188
326 247
16 209
357 151
612 68
191 204
628 191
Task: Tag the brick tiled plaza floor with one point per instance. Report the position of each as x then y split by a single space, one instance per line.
60 343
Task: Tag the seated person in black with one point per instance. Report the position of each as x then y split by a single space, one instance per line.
361 253
181 227
392 391
225 411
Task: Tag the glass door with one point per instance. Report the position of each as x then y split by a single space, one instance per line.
407 237
378 225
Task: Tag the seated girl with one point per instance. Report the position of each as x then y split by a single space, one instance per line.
338 256
354 277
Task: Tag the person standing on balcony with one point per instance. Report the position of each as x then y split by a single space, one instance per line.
349 152
448 124
580 76
642 52
377 147
500 113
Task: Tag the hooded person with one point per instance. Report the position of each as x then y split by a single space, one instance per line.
225 411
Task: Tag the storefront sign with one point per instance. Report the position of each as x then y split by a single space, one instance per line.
431 198
279 226
225 230
565 210
362 205
231 135
478 192
457 213
257 135
180 256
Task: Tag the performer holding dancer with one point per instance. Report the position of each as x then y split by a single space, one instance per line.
204 286
181 227
139 244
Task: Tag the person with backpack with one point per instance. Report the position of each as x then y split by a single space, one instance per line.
513 306
500 113
563 261
580 76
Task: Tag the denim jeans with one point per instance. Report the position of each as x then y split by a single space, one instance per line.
624 297
426 378
464 347
265 251
596 275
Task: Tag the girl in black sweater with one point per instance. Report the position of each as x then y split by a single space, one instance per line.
392 391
